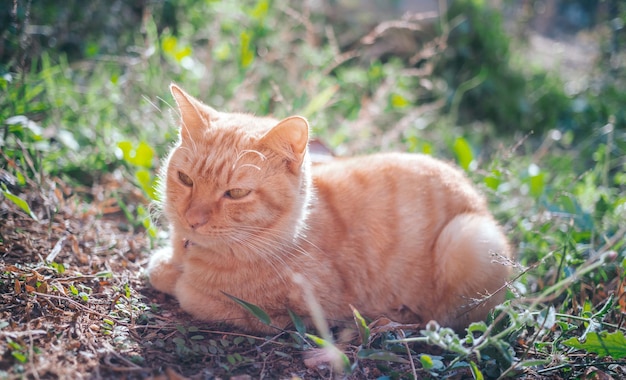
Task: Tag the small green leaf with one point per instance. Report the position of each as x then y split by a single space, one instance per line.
60 268
222 51
260 10
399 101
320 101
427 361
493 180
340 359
603 344
246 54
608 306
182 53
381 355
430 362
169 44
318 341
146 182
255 310
297 322
463 152
536 181
126 147
534 362
364 330
180 342
20 357
476 372
477 327
144 154
19 202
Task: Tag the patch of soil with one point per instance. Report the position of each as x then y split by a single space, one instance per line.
74 302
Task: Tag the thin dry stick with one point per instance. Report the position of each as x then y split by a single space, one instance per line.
80 306
31 354
408 351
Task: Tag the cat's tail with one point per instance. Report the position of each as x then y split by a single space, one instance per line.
472 265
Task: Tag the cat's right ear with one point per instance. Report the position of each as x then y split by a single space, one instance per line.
289 137
194 118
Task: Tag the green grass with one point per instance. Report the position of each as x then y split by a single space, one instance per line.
81 142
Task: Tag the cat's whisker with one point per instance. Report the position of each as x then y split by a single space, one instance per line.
267 256
188 132
246 151
248 165
274 248
289 245
242 153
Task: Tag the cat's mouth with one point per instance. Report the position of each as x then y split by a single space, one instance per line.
208 239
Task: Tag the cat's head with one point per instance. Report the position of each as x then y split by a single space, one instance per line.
235 180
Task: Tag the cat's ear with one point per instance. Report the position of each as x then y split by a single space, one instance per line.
195 116
289 137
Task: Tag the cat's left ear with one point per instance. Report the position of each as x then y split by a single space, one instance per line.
195 115
289 137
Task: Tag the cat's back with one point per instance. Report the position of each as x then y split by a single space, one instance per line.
397 180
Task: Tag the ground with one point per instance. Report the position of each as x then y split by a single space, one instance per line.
75 302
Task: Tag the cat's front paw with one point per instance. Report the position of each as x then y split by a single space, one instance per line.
162 272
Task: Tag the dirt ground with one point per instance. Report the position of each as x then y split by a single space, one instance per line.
75 304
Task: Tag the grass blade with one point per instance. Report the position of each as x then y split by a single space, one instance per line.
253 309
364 330
297 322
381 355
19 202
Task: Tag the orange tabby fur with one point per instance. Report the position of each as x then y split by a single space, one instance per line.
398 235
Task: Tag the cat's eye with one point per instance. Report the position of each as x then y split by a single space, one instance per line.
185 179
236 193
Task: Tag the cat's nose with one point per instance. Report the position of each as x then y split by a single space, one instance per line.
195 225
196 218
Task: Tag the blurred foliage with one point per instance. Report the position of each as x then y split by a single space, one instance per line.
73 28
80 78
479 53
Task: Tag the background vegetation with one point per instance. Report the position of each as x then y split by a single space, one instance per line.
85 115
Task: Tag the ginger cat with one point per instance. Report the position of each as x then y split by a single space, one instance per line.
398 235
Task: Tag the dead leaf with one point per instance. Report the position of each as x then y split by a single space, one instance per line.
622 296
43 288
594 373
74 241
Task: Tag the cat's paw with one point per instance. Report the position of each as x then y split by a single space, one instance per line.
162 272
